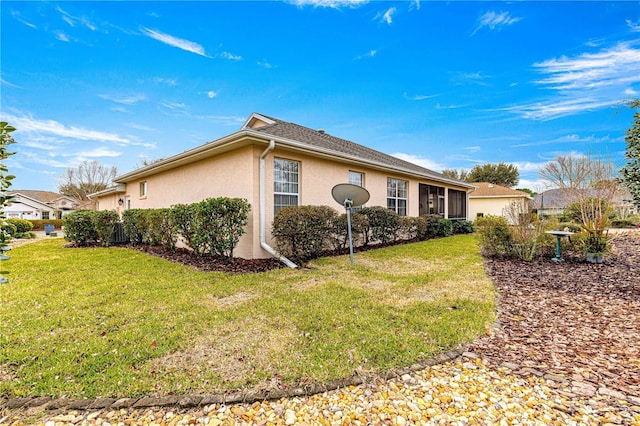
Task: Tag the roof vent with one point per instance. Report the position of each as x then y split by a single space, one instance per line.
490 185
321 131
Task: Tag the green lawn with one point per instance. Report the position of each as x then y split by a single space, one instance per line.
116 322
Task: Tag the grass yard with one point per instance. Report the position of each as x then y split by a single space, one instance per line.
119 323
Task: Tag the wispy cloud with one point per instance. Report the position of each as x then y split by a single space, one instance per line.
141 127
472 149
18 17
126 100
369 54
495 21
170 40
418 97
210 94
29 124
94 153
265 64
415 4
385 16
634 26
6 83
440 106
227 55
60 35
420 161
336 4
75 20
586 82
168 81
471 77
572 138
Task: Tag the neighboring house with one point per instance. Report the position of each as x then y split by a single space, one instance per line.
31 204
496 200
554 201
273 164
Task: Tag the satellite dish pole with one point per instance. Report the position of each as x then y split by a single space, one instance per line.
349 196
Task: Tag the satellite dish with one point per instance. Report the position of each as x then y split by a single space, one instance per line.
349 196
354 194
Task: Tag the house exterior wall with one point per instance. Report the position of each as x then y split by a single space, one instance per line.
236 174
495 206
16 209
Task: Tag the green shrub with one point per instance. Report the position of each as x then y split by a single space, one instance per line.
134 224
184 219
437 227
569 226
38 224
104 224
220 223
79 228
25 235
340 233
382 225
22 225
9 228
495 235
160 228
462 227
411 228
304 232
622 223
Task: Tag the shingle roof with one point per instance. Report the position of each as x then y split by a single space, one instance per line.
486 189
320 139
42 196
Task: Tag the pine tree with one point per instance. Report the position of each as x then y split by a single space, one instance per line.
630 173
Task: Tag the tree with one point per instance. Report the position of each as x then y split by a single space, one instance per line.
528 191
87 178
589 183
498 174
630 173
456 174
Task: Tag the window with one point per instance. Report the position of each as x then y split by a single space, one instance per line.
435 200
457 204
286 180
356 178
45 215
397 196
143 189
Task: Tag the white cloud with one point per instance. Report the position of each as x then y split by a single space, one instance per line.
227 55
168 81
386 16
415 4
439 106
74 20
265 64
126 100
51 127
16 15
141 127
170 40
418 97
211 94
494 20
420 161
369 54
634 26
556 108
336 4
62 36
94 153
472 149
6 83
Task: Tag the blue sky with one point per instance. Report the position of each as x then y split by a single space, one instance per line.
442 84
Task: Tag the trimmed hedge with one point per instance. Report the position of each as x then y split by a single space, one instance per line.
462 227
22 225
38 224
79 227
104 225
382 226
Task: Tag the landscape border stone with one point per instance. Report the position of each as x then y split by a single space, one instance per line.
574 388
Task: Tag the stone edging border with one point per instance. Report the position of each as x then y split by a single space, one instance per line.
578 389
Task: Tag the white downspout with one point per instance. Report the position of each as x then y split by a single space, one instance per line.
263 231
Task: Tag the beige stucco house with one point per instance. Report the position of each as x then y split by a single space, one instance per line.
496 200
35 205
274 163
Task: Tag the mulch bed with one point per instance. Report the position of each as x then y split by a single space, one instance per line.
577 320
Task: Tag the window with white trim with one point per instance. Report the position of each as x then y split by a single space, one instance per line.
356 178
397 195
143 189
286 183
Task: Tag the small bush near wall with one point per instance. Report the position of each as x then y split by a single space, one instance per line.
9 228
79 227
38 224
104 225
495 235
134 224
382 226
303 232
462 227
341 234
185 221
412 228
161 229
220 224
437 227
22 225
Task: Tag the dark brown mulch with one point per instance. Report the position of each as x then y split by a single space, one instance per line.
574 319
211 263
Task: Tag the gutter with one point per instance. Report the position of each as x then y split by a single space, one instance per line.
263 232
